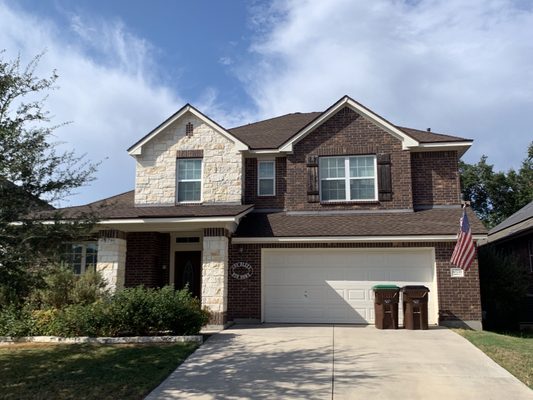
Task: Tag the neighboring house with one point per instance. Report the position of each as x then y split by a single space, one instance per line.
292 219
515 236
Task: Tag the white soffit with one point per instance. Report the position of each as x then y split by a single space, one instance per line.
136 149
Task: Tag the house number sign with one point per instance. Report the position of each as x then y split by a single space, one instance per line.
241 271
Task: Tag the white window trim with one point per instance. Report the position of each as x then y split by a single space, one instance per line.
190 180
273 177
347 179
83 265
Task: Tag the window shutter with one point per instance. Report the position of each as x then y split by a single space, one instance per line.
384 177
312 180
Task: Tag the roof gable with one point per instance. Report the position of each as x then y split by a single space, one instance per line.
136 148
346 101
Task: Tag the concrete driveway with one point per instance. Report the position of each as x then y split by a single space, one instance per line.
339 362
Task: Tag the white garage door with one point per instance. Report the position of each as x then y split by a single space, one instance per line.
335 285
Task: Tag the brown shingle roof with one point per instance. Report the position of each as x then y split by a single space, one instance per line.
431 137
427 222
273 132
122 206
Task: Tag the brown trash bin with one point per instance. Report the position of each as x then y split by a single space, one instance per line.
386 299
415 307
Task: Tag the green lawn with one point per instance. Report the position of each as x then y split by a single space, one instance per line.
512 352
33 371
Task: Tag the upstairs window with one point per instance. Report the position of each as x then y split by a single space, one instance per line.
266 178
189 173
81 257
351 178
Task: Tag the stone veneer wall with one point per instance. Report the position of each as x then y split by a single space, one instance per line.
459 298
111 262
155 176
215 277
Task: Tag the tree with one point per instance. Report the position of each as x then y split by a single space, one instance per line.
495 196
33 173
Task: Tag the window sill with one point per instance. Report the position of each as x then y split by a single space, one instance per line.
349 202
189 203
266 196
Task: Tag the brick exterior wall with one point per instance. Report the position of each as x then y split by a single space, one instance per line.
435 178
250 177
146 254
458 297
347 133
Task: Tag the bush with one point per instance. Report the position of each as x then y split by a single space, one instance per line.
504 284
141 311
16 321
62 287
136 311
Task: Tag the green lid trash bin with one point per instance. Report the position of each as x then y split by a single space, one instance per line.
415 307
386 299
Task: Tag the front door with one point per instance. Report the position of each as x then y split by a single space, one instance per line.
188 271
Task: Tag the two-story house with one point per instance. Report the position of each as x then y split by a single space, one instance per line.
291 219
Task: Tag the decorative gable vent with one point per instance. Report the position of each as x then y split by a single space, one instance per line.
189 128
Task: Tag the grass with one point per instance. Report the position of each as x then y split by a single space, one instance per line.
32 371
514 352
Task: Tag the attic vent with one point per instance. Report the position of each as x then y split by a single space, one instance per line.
189 129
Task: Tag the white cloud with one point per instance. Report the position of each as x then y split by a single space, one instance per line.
108 89
460 67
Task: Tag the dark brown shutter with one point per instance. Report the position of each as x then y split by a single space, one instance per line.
384 177
312 179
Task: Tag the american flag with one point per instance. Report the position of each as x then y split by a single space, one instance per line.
465 249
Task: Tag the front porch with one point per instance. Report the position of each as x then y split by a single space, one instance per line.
194 258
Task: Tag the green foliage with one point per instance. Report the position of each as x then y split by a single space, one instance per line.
62 287
32 174
504 284
16 321
141 311
135 311
495 196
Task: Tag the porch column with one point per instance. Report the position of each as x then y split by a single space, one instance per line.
215 274
111 261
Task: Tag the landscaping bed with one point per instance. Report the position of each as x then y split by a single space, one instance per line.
514 352
88 371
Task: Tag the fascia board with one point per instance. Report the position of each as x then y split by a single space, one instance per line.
137 149
351 239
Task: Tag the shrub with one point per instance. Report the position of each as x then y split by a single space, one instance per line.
136 311
15 321
142 311
62 287
89 288
178 311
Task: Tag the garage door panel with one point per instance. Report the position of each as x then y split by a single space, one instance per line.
336 286
283 293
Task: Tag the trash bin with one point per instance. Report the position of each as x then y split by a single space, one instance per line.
415 307
386 299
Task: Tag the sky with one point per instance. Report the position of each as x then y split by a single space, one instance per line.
458 67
